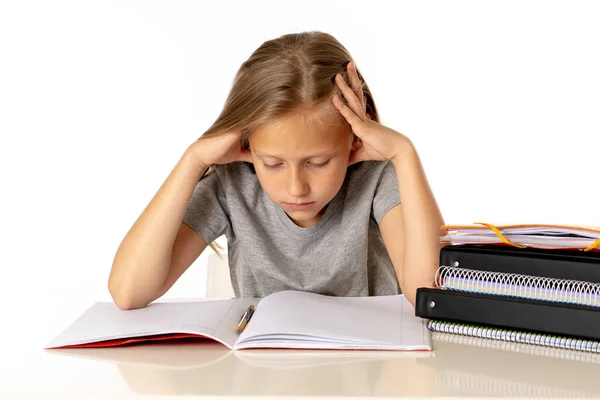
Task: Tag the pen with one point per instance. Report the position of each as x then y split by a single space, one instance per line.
245 319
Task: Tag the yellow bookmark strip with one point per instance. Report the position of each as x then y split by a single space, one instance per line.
500 235
591 246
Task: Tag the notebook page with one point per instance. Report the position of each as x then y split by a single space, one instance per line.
554 231
543 230
527 240
105 321
227 329
303 320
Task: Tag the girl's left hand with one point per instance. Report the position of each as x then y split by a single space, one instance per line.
376 141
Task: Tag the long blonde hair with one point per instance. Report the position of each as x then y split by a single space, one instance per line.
290 73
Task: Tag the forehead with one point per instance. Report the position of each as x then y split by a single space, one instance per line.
300 133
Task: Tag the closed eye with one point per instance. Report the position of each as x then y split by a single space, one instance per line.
319 165
272 166
311 164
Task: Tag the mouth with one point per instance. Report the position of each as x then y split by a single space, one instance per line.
299 206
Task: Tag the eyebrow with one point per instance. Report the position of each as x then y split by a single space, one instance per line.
277 156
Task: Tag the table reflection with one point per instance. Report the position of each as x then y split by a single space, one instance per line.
459 366
206 368
468 366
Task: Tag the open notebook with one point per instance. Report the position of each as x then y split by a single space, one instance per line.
287 319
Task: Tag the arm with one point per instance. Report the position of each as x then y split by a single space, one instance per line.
411 230
158 248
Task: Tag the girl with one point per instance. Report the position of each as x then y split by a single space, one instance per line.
303 180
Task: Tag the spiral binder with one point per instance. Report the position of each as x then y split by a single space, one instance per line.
509 335
518 285
559 264
545 297
554 319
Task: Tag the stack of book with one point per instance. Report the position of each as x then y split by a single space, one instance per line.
534 284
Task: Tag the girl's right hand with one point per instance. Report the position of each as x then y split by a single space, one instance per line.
220 148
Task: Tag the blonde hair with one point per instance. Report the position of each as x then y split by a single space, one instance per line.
292 73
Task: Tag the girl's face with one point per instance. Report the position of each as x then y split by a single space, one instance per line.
301 165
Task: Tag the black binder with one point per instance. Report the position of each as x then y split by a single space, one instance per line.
558 264
509 312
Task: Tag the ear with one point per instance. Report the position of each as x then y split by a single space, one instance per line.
357 152
356 143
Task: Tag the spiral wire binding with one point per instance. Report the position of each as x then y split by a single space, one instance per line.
509 335
517 285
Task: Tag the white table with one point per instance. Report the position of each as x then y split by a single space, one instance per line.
204 369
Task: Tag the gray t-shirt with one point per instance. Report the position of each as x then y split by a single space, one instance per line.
343 254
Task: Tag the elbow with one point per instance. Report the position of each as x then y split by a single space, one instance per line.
411 294
125 304
123 296
410 289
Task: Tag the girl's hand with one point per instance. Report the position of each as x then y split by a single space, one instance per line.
375 141
221 148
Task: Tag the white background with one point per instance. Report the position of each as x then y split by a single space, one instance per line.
99 99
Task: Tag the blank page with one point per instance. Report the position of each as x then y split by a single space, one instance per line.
386 322
105 321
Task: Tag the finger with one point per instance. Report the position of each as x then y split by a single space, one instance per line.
355 84
349 95
350 116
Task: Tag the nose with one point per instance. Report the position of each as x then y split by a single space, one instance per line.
297 184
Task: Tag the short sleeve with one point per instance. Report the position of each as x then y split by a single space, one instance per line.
387 195
207 212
